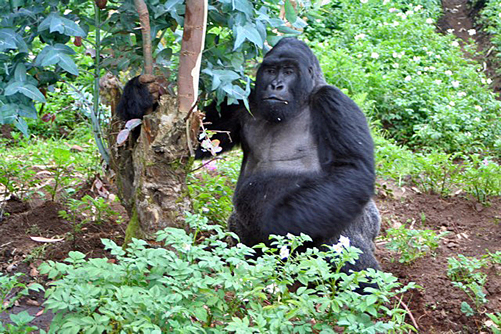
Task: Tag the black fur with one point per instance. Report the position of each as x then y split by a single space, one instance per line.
135 100
308 164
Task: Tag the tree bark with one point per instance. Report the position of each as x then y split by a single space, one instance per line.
151 167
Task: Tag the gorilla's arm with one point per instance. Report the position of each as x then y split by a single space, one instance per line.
323 206
135 100
225 120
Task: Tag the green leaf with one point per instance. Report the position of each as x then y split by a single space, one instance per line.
50 58
244 6
21 318
7 37
21 125
248 32
67 64
20 73
290 12
26 89
71 28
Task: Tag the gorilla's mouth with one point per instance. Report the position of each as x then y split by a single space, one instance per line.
275 99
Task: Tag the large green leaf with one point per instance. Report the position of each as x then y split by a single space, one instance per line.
26 89
290 12
67 64
7 40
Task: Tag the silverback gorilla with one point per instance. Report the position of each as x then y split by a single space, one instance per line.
308 162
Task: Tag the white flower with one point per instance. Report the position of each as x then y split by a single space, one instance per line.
391 10
479 108
499 14
419 73
455 43
364 1
359 36
375 55
429 21
417 59
452 103
284 252
359 55
418 7
489 81
438 82
432 68
472 32
385 2
437 56
482 80
450 31
186 247
395 24
272 288
395 65
448 72
426 68
344 241
408 78
455 84
477 119
461 94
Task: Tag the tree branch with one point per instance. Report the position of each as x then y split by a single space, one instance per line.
144 19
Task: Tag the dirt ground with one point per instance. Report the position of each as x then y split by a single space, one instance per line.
436 308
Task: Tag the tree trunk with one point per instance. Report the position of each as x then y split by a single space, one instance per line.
151 167
151 171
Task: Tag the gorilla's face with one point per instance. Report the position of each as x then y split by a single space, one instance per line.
283 84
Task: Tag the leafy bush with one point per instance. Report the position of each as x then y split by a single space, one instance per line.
425 92
198 284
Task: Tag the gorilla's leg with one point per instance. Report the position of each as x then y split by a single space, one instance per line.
362 234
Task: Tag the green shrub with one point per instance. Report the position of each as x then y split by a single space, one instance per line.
197 284
424 91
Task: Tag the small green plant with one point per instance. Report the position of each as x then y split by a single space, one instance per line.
11 289
412 244
17 180
199 284
466 275
93 210
496 322
482 177
61 171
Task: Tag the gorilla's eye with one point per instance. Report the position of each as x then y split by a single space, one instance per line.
288 71
270 70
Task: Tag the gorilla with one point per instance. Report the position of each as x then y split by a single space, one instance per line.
308 155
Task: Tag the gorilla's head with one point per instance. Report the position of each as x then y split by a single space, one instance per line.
287 76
